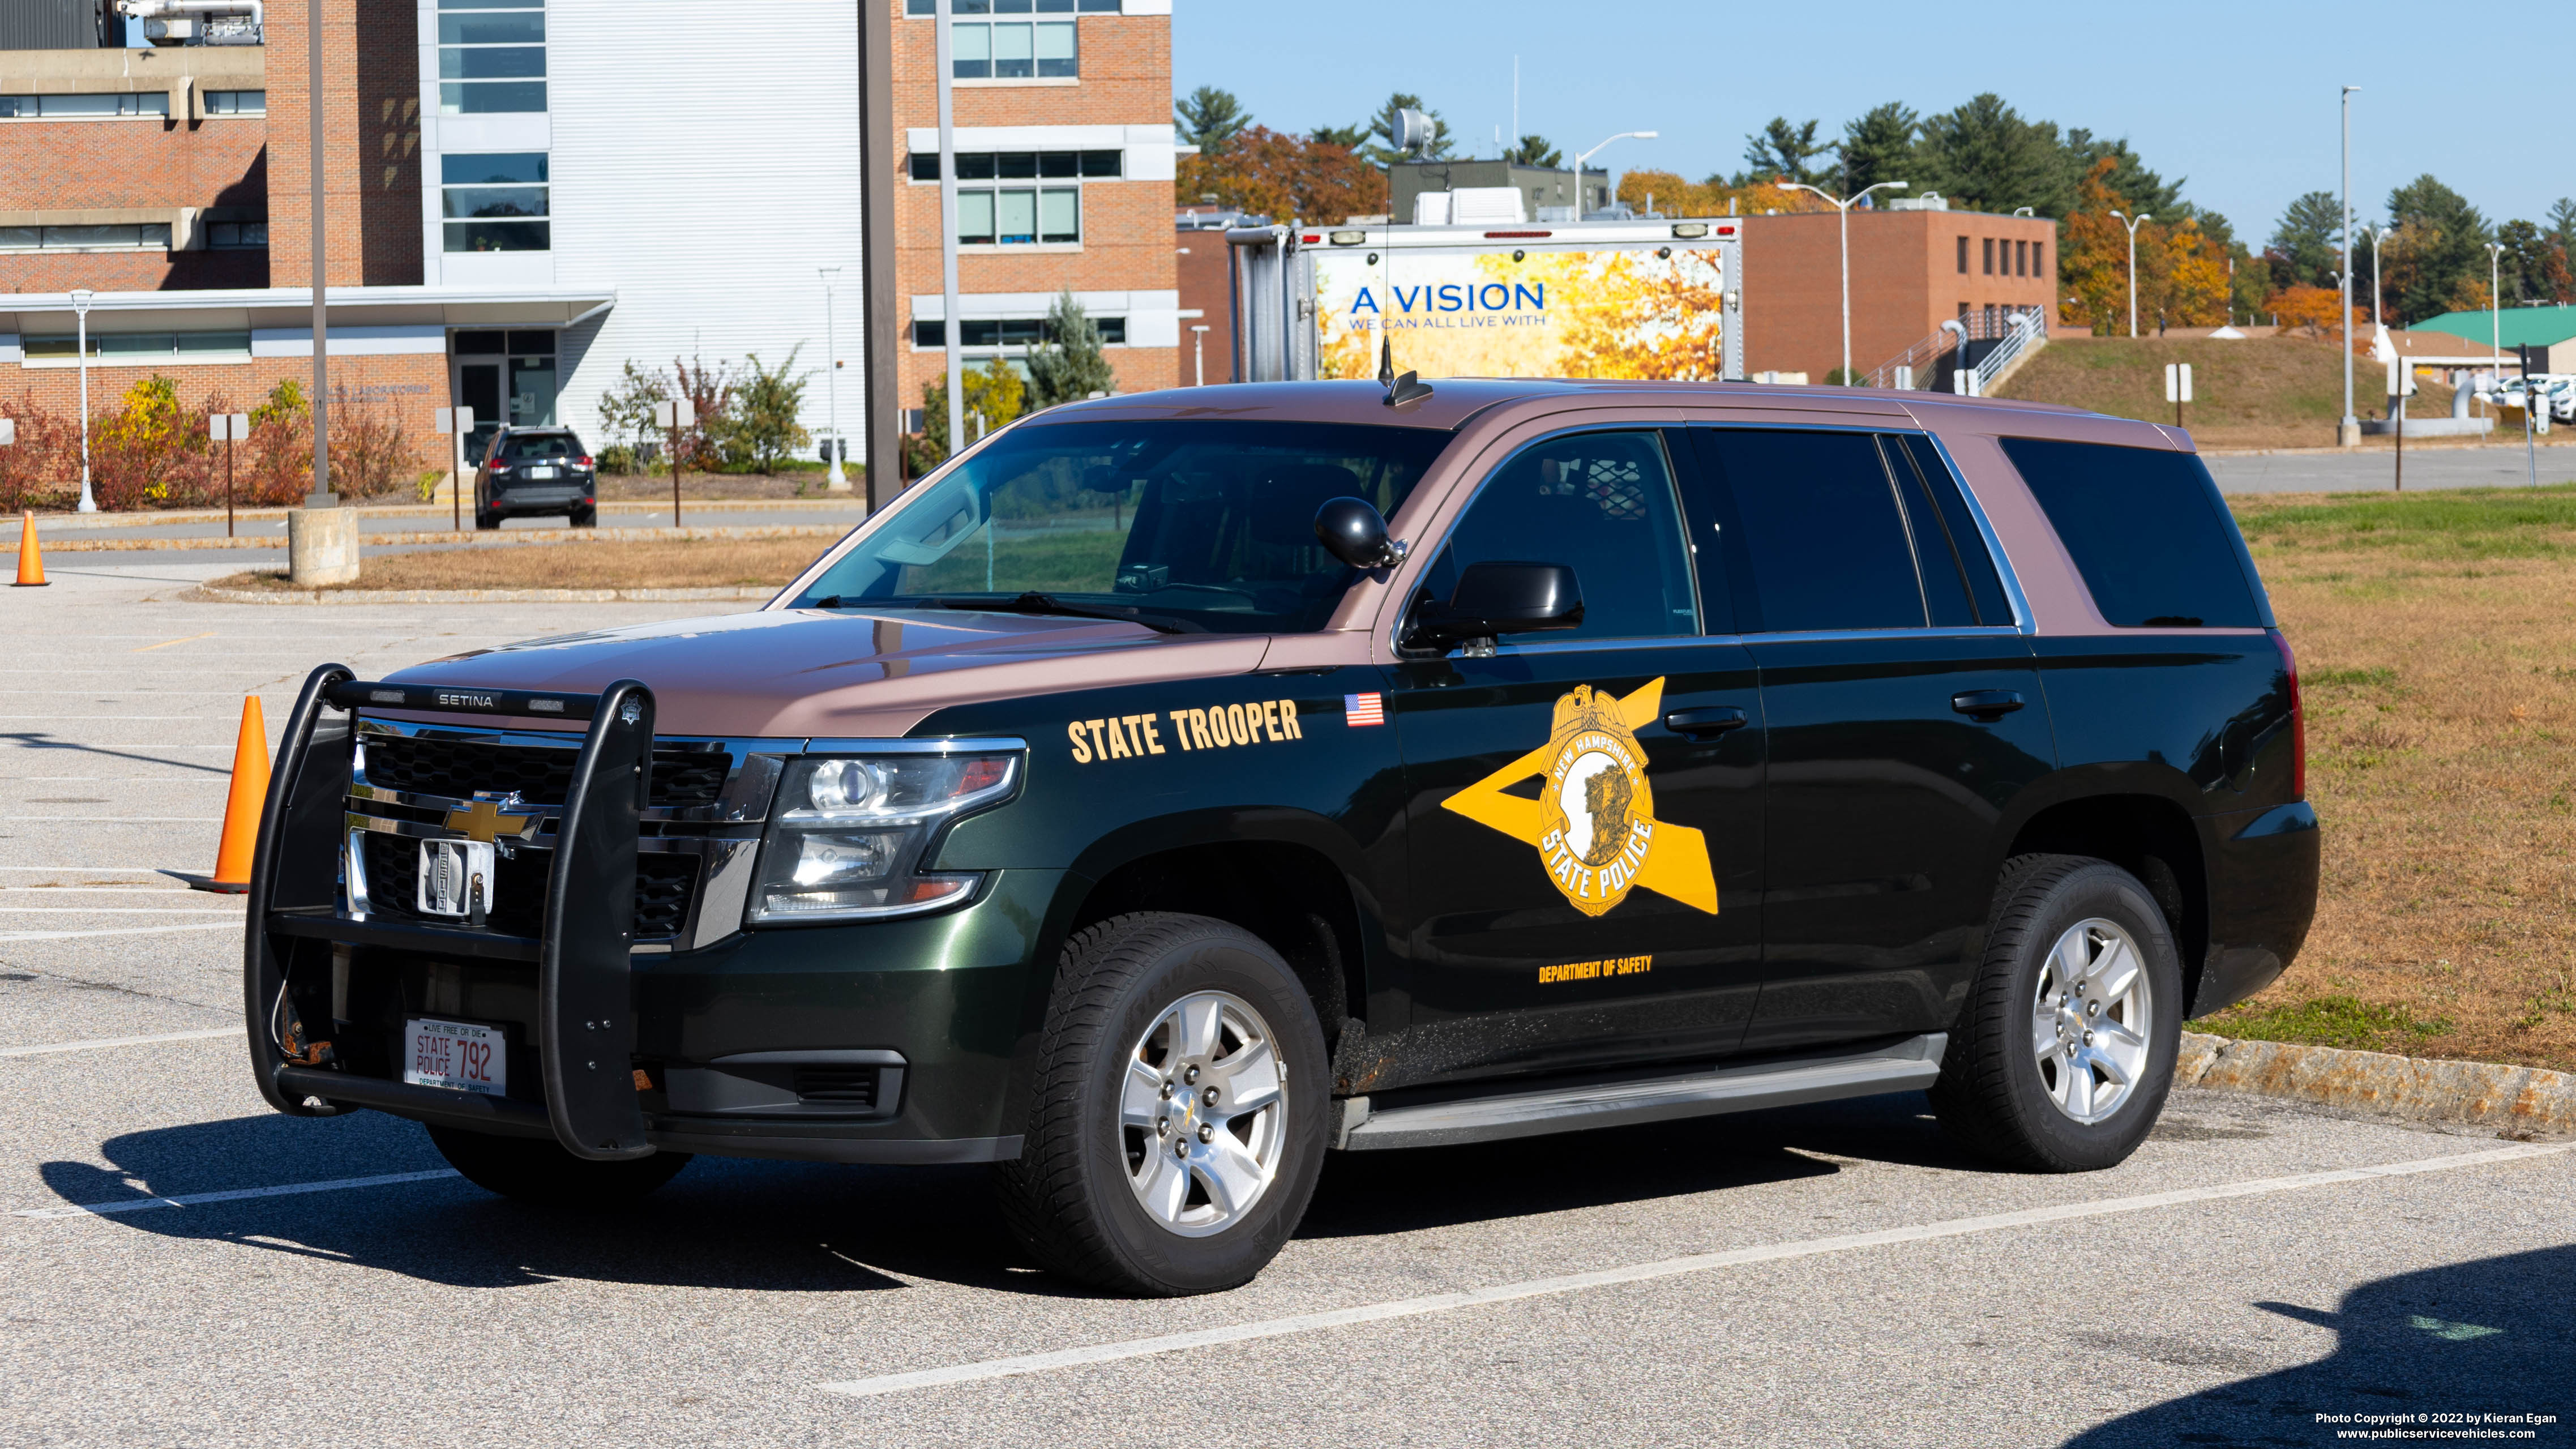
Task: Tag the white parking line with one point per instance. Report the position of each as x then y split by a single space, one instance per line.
118 819
1643 1272
102 1043
118 931
199 1199
115 910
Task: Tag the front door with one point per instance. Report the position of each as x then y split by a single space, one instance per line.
1583 826
1904 712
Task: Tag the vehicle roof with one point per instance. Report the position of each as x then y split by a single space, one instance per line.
1456 401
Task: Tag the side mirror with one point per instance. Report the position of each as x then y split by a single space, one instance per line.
1351 530
1499 597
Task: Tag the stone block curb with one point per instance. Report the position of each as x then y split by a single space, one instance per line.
471 538
207 594
2421 1088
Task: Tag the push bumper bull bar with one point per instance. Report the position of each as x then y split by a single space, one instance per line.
582 952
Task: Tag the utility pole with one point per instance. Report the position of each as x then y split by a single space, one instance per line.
2133 224
952 326
832 383
1842 215
2348 433
321 307
880 309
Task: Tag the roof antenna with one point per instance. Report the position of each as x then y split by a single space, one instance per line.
1400 391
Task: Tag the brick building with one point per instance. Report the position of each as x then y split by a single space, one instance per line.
1064 171
1910 272
524 197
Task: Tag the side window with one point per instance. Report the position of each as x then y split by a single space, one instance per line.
2148 531
1967 546
1816 528
1600 503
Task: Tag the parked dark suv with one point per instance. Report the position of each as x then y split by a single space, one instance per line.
536 471
1174 788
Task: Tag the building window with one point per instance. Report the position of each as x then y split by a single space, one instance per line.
2039 259
1019 216
495 202
131 347
1990 256
1013 7
236 103
84 107
225 236
1963 263
491 57
1006 50
1024 165
993 333
119 237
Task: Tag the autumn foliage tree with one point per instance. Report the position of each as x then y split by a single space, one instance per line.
2309 309
1281 174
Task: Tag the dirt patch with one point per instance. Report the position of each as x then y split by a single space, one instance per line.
2258 392
2435 637
679 564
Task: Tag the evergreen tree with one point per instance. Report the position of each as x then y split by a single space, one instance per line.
1879 146
2447 257
1346 137
1070 366
1209 118
1786 151
2307 245
1534 151
2150 193
1984 156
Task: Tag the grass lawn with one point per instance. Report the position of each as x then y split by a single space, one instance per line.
2258 392
2436 636
680 564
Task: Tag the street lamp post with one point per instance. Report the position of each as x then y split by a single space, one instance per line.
1588 155
1198 351
80 322
2378 318
832 383
952 326
2141 217
1842 214
2350 434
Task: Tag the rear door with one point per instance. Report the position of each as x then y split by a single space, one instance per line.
1583 807
1904 711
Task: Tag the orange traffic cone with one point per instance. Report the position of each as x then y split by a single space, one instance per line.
242 808
31 560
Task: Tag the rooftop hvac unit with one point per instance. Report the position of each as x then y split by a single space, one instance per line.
1485 206
196 22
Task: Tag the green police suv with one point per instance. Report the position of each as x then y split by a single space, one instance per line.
1173 789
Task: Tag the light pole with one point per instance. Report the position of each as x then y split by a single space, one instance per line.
1842 215
952 327
2495 314
2142 217
2378 319
832 382
1588 155
80 323
1198 351
2350 435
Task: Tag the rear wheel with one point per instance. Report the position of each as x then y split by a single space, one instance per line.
585 517
1178 1118
539 1170
486 519
2064 1054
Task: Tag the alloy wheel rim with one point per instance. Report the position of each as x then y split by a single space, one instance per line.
1202 1113
2092 1021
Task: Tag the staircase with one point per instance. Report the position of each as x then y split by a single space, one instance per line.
1971 356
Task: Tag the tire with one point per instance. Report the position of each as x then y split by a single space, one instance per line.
485 520
1102 1191
585 518
539 1170
2064 921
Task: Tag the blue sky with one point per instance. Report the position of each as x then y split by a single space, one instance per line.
2240 99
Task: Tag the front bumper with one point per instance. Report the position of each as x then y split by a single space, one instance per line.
885 1041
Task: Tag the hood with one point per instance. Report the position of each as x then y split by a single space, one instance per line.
790 673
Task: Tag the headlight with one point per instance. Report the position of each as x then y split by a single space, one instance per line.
848 834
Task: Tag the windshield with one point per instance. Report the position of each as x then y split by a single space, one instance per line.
535 447
1183 525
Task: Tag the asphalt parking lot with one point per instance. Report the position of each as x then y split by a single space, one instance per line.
181 1266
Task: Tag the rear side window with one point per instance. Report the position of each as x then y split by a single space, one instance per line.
2148 531
1966 547
1817 529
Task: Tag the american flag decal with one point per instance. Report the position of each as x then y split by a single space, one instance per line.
1362 709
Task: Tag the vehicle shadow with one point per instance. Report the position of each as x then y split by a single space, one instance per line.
812 1227
2484 1337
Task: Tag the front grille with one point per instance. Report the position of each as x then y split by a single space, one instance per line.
840 1086
542 774
665 883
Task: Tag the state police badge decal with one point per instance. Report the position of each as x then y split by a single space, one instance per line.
1594 822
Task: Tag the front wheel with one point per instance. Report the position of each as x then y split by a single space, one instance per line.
539 1170
2065 1050
1178 1112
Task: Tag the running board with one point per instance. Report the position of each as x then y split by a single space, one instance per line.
1902 1067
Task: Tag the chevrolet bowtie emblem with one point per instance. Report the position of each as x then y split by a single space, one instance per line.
490 818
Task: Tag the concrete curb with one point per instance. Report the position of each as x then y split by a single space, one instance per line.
472 538
2421 1088
206 594
147 518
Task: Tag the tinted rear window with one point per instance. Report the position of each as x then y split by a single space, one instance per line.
2148 531
536 447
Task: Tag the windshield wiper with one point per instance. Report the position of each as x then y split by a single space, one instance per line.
1037 603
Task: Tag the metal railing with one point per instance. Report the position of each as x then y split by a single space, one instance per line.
1981 345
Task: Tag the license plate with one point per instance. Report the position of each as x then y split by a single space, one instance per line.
541 472
455 877
458 1055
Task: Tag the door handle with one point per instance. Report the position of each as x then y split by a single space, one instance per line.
1706 723
1986 705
